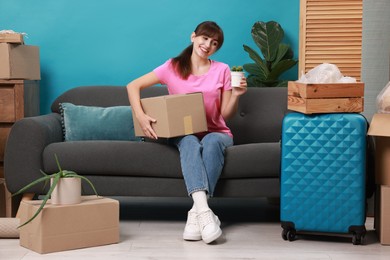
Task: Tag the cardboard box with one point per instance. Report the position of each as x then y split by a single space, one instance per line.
325 98
11 38
380 129
93 222
382 214
176 115
19 62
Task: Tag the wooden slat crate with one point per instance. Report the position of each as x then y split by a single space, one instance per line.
326 97
11 38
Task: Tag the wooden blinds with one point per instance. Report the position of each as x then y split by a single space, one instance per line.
331 31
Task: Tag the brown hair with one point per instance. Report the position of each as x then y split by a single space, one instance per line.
182 63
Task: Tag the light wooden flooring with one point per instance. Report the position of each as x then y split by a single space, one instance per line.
152 228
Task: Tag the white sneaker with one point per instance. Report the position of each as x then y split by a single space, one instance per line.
209 226
192 230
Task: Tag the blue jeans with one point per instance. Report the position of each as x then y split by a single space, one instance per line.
202 160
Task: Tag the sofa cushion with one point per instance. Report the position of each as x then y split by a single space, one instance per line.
116 158
149 159
97 123
257 160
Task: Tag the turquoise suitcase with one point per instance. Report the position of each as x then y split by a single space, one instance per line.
322 178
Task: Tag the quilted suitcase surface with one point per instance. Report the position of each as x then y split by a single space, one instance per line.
323 174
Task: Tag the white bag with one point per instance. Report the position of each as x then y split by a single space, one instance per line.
383 100
325 73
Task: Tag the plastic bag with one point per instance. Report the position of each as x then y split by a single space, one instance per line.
383 100
325 73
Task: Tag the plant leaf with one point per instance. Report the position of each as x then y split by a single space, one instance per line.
282 50
289 54
253 69
281 67
253 55
58 163
257 59
267 37
45 199
282 84
44 178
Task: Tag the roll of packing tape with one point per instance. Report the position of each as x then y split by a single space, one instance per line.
9 227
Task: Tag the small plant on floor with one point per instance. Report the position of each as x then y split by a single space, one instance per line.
55 177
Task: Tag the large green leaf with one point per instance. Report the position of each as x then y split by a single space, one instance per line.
253 69
254 81
267 37
281 67
257 59
282 50
289 54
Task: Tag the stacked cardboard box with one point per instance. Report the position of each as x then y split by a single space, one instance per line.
326 97
176 115
93 222
9 37
380 129
18 61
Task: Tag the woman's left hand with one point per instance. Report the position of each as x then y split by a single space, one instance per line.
238 91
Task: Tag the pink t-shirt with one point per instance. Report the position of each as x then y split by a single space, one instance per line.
211 84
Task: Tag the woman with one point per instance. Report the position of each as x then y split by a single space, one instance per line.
201 155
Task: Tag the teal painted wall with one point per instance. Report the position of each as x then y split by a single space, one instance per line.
111 42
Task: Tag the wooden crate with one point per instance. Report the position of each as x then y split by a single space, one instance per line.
326 98
11 38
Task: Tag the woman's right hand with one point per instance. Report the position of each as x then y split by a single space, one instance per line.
145 123
133 90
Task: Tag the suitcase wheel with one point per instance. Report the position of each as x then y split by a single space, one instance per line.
289 234
357 238
358 233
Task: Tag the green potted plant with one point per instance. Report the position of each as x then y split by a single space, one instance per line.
55 180
237 72
277 57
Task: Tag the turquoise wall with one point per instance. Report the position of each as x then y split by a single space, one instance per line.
111 42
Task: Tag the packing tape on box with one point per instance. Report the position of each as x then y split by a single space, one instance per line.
188 129
9 227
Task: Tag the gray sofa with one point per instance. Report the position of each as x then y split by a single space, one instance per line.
127 168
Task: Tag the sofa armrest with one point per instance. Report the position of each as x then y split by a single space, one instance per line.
24 148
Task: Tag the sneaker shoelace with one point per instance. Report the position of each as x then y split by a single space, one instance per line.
192 218
205 218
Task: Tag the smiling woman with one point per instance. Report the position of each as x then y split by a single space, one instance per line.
202 155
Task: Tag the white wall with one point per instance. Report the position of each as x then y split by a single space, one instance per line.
376 51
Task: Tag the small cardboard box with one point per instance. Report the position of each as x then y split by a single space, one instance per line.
326 97
11 38
382 214
176 115
93 222
380 129
19 62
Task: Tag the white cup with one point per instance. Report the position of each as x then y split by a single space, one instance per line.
236 78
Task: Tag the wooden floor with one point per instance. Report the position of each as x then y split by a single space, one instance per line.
152 228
